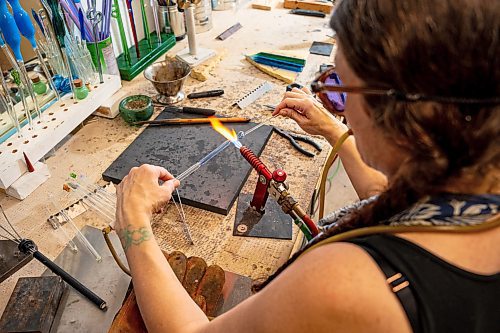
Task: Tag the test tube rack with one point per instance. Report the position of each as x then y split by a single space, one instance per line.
59 120
129 70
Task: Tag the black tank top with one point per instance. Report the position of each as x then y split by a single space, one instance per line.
436 296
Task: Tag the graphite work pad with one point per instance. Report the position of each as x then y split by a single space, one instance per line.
216 185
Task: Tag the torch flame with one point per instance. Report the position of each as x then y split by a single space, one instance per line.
223 130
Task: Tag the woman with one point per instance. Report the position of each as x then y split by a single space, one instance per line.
430 122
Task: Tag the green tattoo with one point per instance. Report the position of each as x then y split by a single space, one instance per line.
130 236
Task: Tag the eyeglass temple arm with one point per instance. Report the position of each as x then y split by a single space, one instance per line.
317 87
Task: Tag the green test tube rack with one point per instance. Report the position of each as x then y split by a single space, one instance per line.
130 69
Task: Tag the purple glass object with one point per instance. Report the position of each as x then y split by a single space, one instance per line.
336 98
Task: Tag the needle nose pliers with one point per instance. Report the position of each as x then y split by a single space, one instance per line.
293 138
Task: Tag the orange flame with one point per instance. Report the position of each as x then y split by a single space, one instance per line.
223 130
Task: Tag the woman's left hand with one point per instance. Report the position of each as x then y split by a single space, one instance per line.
309 114
140 194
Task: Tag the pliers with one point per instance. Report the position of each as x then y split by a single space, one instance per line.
293 138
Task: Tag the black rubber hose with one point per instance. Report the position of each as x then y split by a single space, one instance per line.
77 285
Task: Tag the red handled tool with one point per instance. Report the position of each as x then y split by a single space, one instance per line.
132 25
274 184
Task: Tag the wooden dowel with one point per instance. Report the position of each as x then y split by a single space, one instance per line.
181 121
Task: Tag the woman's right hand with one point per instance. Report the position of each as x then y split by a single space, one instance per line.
140 194
309 114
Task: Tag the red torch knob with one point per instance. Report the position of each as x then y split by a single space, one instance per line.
279 175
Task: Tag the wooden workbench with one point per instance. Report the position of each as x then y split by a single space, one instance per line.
92 148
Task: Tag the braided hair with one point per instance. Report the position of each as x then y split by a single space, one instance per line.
444 48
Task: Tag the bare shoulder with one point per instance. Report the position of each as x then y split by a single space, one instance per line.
354 289
334 288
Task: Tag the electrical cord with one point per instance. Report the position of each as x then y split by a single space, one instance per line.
314 201
106 231
324 177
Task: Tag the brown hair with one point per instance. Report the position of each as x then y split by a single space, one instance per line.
446 48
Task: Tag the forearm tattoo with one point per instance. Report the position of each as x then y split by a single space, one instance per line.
130 236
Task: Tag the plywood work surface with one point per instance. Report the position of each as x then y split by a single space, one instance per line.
98 142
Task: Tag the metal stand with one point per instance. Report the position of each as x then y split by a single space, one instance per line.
11 260
193 55
272 224
77 315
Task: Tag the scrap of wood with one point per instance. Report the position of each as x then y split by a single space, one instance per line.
280 74
110 108
33 305
325 7
263 4
202 72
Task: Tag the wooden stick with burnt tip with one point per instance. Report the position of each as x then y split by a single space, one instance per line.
181 121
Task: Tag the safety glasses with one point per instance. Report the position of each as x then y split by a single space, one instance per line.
329 89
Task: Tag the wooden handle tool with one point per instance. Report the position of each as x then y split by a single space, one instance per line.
192 121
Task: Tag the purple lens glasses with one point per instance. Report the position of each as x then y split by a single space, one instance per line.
336 98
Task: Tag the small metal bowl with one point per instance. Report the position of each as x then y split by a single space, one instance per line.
168 78
136 108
